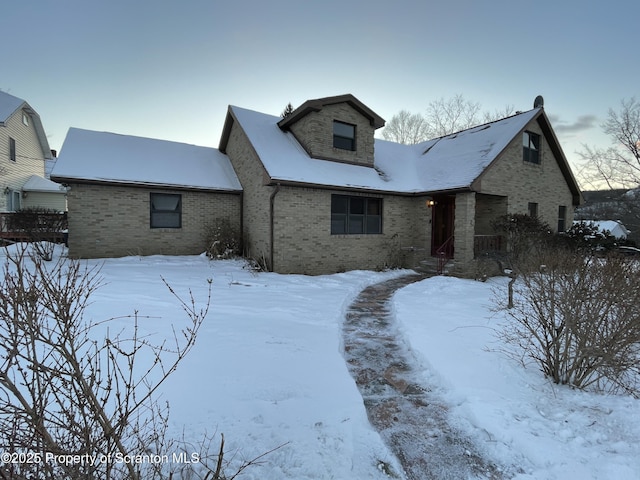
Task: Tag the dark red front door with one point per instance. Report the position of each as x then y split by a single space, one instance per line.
442 224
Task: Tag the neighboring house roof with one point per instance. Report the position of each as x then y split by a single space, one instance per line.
449 163
8 106
100 157
614 227
40 184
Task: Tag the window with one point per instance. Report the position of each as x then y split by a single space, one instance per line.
533 209
355 215
344 136
13 200
531 147
25 119
166 210
562 218
12 149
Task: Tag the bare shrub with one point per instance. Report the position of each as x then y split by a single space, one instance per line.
523 233
578 319
223 240
64 392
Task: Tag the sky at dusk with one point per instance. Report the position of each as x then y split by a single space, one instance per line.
169 69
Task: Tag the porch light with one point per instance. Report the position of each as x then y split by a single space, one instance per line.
431 203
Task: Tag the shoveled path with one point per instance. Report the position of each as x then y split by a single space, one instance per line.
401 405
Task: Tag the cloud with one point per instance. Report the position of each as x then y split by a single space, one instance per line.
583 122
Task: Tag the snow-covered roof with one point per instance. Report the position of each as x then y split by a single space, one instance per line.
9 104
92 156
447 163
614 227
41 184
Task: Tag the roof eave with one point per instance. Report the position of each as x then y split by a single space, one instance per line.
317 104
66 180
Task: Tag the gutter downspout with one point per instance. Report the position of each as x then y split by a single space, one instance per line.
272 201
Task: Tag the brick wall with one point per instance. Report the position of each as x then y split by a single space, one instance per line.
255 204
304 243
525 182
315 133
114 221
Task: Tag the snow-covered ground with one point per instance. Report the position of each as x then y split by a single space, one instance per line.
268 370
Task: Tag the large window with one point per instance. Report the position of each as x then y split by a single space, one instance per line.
166 210
531 147
355 215
12 149
344 135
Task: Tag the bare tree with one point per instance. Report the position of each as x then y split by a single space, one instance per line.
443 116
498 114
619 165
407 128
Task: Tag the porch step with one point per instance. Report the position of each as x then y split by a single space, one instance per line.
429 266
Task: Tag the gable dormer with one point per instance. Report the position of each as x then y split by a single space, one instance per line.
337 128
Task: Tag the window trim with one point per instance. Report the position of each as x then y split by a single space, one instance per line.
528 150
342 138
350 219
177 210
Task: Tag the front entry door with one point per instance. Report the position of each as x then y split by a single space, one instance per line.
442 224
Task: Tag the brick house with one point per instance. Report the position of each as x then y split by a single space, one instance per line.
141 196
320 194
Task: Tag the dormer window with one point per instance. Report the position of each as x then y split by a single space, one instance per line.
344 135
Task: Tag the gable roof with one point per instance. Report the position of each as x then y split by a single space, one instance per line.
318 103
101 157
449 163
10 104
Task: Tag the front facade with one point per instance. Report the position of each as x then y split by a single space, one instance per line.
23 152
316 193
321 195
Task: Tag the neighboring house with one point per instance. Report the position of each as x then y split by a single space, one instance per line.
322 195
23 151
319 193
142 196
615 228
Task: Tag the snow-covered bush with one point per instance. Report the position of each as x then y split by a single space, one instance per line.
578 319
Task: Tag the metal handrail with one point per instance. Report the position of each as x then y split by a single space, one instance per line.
443 254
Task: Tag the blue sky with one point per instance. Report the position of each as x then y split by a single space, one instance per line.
168 69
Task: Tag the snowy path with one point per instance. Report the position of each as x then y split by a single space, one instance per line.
407 411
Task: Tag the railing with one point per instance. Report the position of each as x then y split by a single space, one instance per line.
21 227
444 253
483 244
